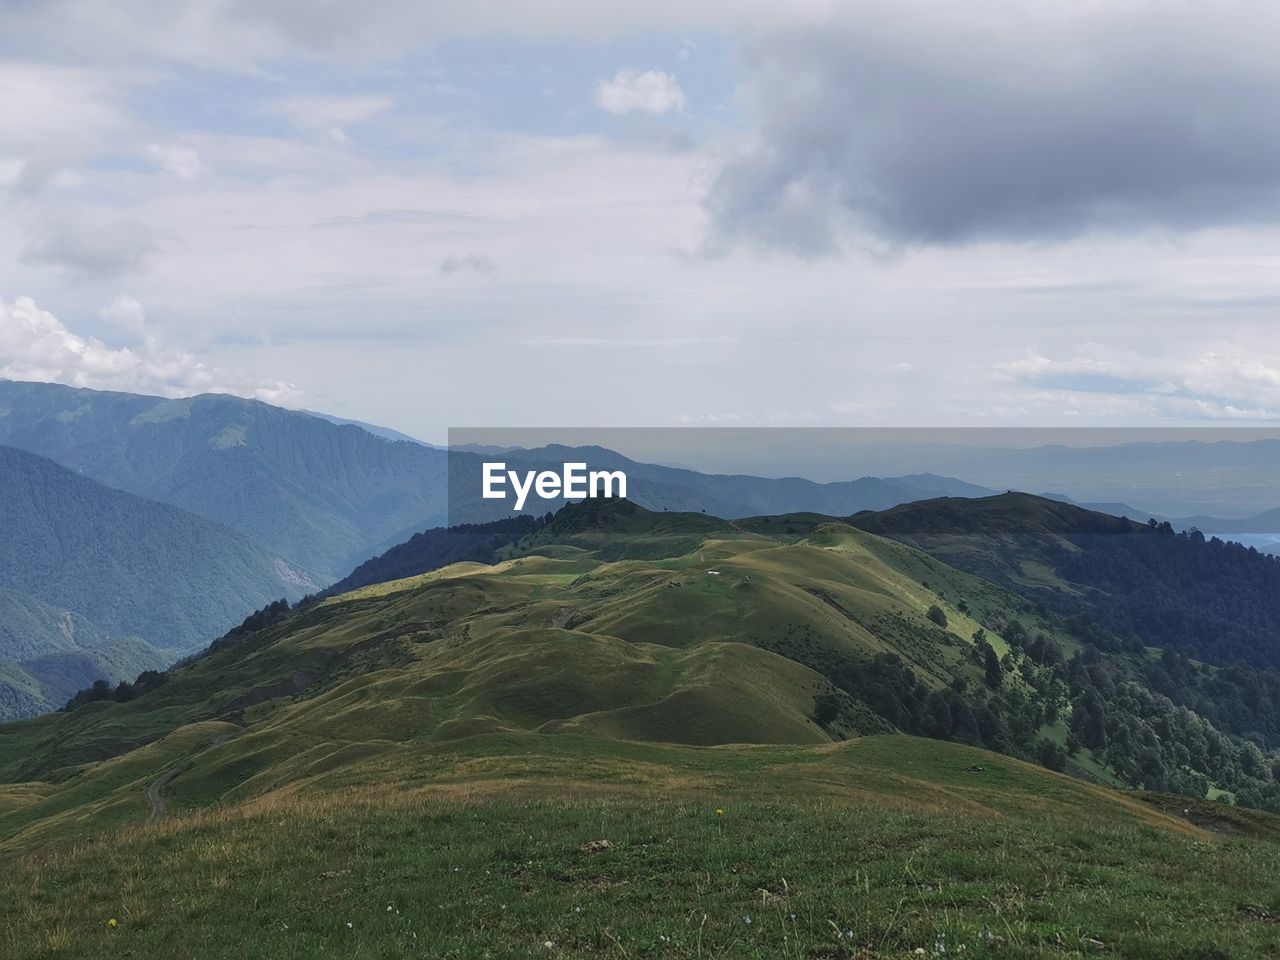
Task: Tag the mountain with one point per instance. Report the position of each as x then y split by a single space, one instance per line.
1226 472
729 495
1219 602
435 548
95 582
386 433
300 486
1111 509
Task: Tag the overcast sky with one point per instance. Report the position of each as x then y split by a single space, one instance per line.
573 213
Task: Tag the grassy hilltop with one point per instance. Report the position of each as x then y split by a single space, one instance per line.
425 766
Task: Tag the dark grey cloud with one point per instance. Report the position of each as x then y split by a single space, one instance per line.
961 126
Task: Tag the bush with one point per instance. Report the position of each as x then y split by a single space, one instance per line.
937 616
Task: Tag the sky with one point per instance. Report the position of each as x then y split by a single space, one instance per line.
562 213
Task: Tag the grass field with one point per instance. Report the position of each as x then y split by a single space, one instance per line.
883 847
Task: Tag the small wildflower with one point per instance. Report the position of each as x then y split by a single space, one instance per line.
719 811
349 925
112 923
747 921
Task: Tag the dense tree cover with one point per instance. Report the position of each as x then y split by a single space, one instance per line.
1111 716
313 491
1215 600
1178 683
122 692
130 566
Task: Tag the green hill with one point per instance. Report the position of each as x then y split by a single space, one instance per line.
609 621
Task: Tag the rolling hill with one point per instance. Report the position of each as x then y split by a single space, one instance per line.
612 621
521 746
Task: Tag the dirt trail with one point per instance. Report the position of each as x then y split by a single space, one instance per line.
155 796
156 806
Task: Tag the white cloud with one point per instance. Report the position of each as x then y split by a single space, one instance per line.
125 313
177 161
51 118
1218 383
652 91
36 345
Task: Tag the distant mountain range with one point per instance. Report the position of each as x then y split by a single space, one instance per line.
311 490
330 494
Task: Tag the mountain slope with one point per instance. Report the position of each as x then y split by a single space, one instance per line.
566 846
1217 601
47 654
84 567
301 486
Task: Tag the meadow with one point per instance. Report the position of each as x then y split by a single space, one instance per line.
565 847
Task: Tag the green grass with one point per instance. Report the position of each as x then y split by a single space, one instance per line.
878 848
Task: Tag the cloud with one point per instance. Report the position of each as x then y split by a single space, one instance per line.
36 345
1216 384
630 91
472 262
52 118
177 161
328 114
125 313
919 124
241 35
90 249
